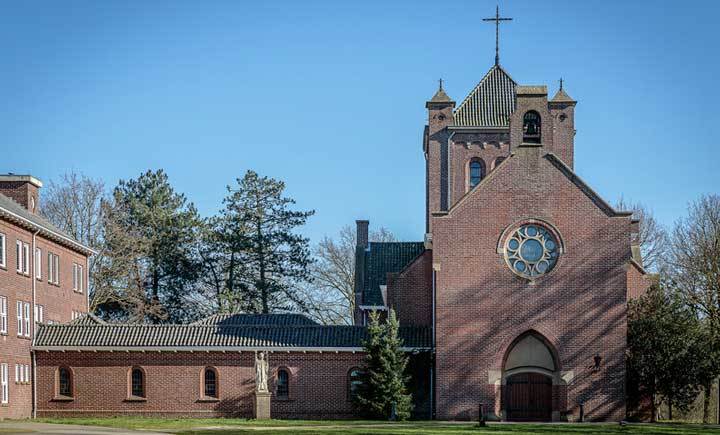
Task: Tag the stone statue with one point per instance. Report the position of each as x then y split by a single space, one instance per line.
261 373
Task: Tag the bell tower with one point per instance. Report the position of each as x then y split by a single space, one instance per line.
435 146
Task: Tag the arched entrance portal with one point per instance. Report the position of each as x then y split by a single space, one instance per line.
528 375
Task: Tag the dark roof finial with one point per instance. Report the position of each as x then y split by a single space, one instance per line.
441 83
561 83
497 20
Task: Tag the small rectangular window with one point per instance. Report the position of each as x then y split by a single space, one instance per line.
19 307
27 373
2 250
26 259
38 263
3 315
81 278
4 391
18 373
27 319
39 313
56 269
18 256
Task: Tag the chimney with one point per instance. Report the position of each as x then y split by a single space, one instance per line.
362 233
23 189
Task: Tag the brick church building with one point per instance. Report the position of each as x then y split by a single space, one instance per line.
515 299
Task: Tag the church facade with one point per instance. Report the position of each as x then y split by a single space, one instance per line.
525 272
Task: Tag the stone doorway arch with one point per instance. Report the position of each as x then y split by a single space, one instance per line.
530 374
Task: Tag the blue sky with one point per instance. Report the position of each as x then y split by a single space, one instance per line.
329 95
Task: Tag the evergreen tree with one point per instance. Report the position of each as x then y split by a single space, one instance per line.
262 258
384 378
150 240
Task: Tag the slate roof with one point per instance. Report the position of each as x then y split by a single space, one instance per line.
211 337
280 319
490 103
14 212
382 258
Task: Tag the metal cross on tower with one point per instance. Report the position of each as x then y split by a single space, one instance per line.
497 18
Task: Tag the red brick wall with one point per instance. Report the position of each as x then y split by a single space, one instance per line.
637 282
580 307
318 384
58 302
410 292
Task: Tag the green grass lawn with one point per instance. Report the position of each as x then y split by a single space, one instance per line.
242 426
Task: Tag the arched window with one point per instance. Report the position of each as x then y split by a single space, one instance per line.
531 127
137 382
475 173
210 387
65 386
282 387
354 382
498 161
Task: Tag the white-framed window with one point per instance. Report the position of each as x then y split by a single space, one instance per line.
22 260
76 314
4 388
22 373
78 277
19 307
18 256
38 263
3 315
23 319
27 319
39 314
3 263
53 268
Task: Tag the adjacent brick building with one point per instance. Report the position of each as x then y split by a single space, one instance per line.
515 300
43 276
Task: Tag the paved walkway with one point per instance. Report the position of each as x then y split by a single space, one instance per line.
25 427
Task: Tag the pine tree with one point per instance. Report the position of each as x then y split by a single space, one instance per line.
263 259
384 378
150 267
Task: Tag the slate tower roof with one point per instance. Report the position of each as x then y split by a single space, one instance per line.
490 103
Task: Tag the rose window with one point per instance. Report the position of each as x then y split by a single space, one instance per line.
531 251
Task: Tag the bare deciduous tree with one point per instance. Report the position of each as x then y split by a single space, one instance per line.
331 296
695 261
653 236
73 204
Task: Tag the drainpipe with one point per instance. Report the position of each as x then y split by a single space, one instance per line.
432 366
32 323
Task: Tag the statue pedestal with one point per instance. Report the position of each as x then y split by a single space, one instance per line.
262 405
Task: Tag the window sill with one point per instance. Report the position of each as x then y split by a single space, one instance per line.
283 399
136 399
63 399
207 400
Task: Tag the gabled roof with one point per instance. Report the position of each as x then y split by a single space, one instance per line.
382 258
218 337
19 215
239 319
490 103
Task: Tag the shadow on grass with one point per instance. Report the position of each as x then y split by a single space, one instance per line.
457 429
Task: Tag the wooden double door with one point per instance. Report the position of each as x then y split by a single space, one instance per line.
528 397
